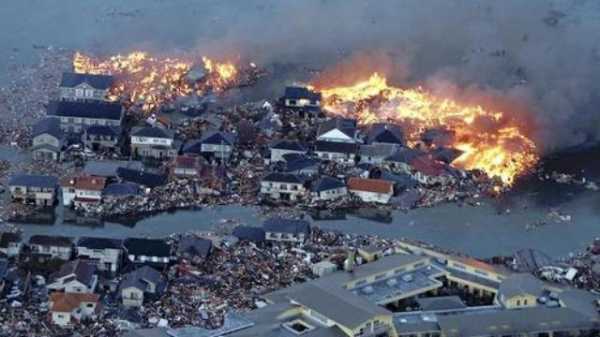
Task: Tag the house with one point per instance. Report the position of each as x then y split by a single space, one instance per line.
101 137
139 284
153 142
48 140
248 233
75 116
143 178
286 230
121 190
342 130
340 152
520 291
187 166
283 186
283 147
217 145
77 276
384 133
39 190
302 98
328 188
108 168
69 308
302 165
106 253
400 160
10 244
82 190
147 251
428 171
74 86
194 247
371 190
376 153
59 247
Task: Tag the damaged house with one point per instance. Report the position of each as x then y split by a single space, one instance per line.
106 253
82 190
77 276
341 130
39 190
283 186
48 140
303 100
371 190
140 284
286 230
339 152
328 188
283 147
69 308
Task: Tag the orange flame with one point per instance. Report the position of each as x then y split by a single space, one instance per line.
152 81
502 150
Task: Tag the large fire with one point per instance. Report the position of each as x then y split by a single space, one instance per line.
152 81
500 149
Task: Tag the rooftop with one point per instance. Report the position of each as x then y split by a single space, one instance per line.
370 185
67 302
88 109
100 82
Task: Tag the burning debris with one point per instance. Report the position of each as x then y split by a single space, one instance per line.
504 150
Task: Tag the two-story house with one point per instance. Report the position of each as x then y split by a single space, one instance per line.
148 251
101 137
218 145
48 139
107 253
81 191
283 147
371 190
328 188
286 230
75 86
67 309
77 276
142 283
59 247
342 130
304 100
39 190
283 186
340 152
77 116
153 142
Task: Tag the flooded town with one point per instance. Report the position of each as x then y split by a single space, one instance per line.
180 169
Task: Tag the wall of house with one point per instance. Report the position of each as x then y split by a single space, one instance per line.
381 198
147 259
220 150
330 194
343 158
61 318
275 190
45 154
285 237
79 124
63 253
44 139
301 103
521 301
68 194
132 297
107 259
83 92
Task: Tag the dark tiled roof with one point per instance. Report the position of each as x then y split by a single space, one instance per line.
33 180
152 132
7 237
140 277
283 178
254 234
147 247
195 246
48 125
47 240
446 154
290 226
99 243
385 133
218 138
521 284
300 164
142 178
345 125
103 130
288 145
404 155
327 183
301 92
122 189
89 109
83 270
336 147
440 303
100 82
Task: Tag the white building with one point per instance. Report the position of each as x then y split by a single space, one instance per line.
82 190
59 247
76 86
328 188
153 142
140 284
69 308
371 190
105 252
77 276
283 186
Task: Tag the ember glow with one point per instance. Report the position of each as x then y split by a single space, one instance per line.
152 81
502 149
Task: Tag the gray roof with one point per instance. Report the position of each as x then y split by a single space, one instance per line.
290 145
83 270
152 132
33 180
99 243
327 183
283 178
440 303
152 332
382 150
336 147
582 301
218 138
520 284
404 155
385 133
345 125
51 240
301 92
108 168
140 277
194 246
100 82
87 109
48 125
290 226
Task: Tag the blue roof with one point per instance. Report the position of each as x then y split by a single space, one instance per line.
48 125
291 145
282 225
299 164
122 189
100 82
254 234
327 183
151 132
32 180
283 178
141 177
88 109
103 130
218 138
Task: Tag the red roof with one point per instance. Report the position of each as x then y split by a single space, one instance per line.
427 166
90 183
67 302
370 185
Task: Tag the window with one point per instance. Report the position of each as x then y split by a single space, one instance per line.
518 303
525 302
89 93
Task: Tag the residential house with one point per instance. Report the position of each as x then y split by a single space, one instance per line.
75 86
341 130
303 99
302 165
428 171
75 116
77 276
194 247
400 160
283 147
67 309
82 191
101 137
340 152
106 253
121 190
248 233
286 230
143 178
10 244
48 140
108 168
153 142
376 153
142 283
371 190
384 133
187 166
217 145
39 190
283 186
147 251
328 188
59 247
